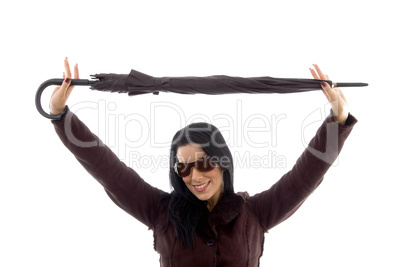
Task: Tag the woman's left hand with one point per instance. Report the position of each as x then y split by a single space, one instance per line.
334 95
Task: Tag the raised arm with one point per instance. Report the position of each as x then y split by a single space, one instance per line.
125 187
278 203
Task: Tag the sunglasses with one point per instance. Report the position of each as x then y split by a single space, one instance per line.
204 164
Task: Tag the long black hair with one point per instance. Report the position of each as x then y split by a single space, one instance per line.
184 209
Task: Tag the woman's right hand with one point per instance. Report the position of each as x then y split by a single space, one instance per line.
61 93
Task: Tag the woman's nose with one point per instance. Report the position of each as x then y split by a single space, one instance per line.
196 174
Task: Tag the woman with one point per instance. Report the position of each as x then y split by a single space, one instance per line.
202 222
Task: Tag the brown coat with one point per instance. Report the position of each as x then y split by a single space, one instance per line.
232 234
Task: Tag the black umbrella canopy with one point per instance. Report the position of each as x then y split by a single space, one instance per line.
136 83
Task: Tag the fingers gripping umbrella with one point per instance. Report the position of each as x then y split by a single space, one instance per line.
136 83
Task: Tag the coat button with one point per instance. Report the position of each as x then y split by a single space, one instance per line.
210 242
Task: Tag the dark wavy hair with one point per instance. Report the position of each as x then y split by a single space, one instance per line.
185 210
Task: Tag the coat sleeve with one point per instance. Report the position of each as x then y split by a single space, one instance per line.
278 203
123 185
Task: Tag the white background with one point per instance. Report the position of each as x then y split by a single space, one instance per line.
54 214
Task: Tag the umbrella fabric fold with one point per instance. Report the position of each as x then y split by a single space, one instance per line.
137 83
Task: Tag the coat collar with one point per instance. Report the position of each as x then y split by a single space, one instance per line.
227 209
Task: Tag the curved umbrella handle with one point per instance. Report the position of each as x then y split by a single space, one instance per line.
50 82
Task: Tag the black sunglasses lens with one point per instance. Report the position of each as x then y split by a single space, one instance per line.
203 165
183 169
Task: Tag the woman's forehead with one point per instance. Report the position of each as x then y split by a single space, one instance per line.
190 153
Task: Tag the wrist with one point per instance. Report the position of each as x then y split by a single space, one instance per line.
341 121
55 111
339 118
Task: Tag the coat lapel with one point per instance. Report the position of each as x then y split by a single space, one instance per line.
227 209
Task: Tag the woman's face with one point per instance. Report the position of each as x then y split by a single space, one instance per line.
204 185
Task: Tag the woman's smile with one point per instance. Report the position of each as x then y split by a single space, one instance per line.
201 187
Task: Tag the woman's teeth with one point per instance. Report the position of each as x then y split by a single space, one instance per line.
201 186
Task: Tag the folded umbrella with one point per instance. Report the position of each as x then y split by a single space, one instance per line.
136 83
